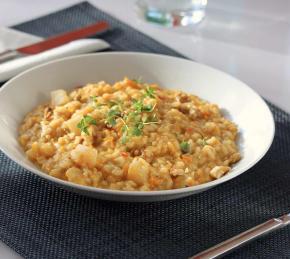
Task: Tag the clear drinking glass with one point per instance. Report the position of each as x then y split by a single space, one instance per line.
173 12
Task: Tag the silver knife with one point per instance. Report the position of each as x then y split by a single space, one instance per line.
243 238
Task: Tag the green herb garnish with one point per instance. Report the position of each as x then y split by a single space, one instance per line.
147 108
85 122
93 98
137 105
133 118
137 129
184 146
138 81
112 115
131 130
125 130
149 92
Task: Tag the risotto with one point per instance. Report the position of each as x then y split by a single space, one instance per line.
130 136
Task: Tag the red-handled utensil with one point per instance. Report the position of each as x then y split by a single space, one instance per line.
56 41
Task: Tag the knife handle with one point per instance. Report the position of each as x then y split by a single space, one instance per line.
8 55
61 39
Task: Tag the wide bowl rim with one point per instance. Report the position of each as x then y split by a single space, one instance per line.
170 192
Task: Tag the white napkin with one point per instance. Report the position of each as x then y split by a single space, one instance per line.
13 39
14 67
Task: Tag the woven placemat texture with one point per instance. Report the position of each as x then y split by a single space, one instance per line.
40 220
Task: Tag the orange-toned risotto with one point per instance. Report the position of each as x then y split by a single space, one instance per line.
130 136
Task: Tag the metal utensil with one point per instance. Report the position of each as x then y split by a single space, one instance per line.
55 41
243 238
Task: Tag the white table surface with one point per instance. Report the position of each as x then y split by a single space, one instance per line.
249 39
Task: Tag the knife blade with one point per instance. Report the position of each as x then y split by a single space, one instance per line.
55 41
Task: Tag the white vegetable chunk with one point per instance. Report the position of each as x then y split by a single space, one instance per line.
59 97
139 171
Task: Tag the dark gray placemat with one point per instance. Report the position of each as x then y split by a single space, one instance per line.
40 220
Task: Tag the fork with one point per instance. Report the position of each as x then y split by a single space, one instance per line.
243 238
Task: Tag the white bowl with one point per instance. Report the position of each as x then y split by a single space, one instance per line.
246 108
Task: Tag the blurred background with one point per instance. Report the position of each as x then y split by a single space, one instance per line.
246 38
